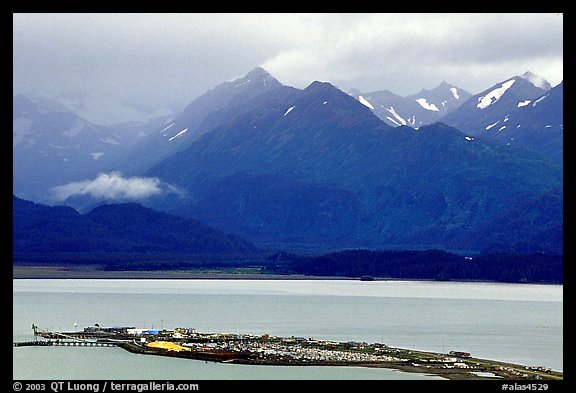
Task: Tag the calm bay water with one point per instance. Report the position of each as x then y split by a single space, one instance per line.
516 323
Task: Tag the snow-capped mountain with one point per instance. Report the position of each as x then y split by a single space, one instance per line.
317 165
522 111
538 125
194 120
415 110
482 113
53 146
187 124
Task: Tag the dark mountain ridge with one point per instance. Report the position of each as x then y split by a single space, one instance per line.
118 228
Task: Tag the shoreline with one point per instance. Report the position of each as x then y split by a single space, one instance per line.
93 272
215 359
65 272
467 373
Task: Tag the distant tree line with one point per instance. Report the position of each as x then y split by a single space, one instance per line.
429 265
137 261
395 264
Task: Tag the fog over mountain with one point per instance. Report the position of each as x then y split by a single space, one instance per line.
53 146
110 68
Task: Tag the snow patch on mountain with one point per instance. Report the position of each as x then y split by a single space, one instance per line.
494 95
396 115
165 128
524 103
426 105
455 92
539 100
365 102
492 125
179 134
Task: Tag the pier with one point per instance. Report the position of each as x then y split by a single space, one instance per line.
65 343
31 343
83 343
65 340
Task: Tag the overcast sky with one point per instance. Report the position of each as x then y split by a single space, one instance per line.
116 67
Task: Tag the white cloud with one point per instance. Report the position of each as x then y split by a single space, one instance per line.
130 61
113 186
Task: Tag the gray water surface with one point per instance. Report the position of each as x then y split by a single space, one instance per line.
509 322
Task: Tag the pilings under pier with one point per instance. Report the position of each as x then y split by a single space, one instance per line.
65 343
31 343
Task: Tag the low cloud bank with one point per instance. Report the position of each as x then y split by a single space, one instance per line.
113 186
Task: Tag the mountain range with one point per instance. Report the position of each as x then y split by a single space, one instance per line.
522 111
416 110
316 165
273 163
